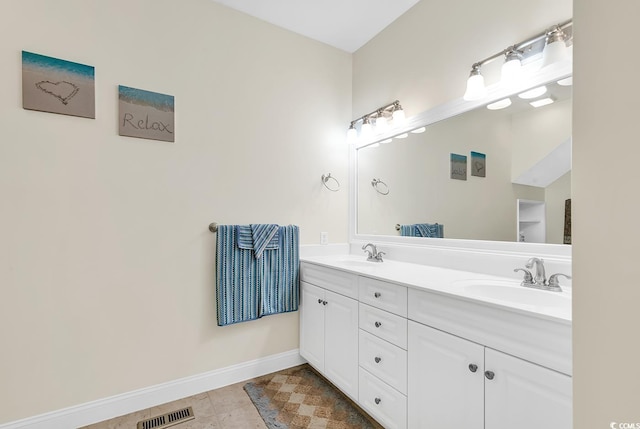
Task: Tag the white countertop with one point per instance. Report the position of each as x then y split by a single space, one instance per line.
503 292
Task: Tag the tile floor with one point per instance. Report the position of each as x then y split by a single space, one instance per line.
225 408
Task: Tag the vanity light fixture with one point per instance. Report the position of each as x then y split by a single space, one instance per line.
501 104
542 102
550 44
381 116
533 93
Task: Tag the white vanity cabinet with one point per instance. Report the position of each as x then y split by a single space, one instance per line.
383 351
329 326
416 357
458 383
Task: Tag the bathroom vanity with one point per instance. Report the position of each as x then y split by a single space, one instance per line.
419 346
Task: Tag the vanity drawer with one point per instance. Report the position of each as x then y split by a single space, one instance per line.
387 296
383 324
383 402
334 280
384 360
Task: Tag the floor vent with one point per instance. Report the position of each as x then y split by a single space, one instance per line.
166 420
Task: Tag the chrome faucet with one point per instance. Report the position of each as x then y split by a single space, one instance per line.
540 277
539 281
372 255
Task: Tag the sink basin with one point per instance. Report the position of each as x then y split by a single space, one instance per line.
511 292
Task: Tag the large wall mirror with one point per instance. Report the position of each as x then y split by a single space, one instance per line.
514 187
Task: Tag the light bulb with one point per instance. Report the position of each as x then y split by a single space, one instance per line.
475 86
381 125
366 130
511 69
398 117
352 135
555 48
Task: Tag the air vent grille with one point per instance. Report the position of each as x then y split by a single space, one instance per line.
166 420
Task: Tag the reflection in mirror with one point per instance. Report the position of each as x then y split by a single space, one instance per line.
516 192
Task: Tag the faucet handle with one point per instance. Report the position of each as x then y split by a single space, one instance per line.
553 280
379 256
528 278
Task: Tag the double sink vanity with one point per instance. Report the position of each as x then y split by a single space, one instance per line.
419 346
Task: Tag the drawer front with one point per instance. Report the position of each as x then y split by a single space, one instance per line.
382 402
334 280
384 360
383 295
383 324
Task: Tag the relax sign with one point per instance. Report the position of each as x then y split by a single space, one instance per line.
146 114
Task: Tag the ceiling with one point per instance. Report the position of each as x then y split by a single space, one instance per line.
344 24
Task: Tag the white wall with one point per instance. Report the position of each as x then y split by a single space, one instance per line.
605 218
105 255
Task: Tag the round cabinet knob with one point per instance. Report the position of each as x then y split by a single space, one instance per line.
377 400
378 359
473 367
324 303
489 374
378 324
319 301
377 294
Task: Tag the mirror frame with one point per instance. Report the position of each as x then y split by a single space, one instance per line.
456 107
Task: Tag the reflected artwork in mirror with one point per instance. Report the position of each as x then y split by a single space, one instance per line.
516 193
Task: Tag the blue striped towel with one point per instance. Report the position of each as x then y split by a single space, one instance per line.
259 237
433 230
248 288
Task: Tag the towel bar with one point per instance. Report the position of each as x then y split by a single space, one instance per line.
213 227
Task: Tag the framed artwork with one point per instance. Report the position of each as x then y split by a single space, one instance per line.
458 166
146 114
478 164
57 86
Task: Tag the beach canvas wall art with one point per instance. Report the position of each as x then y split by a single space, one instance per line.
458 167
57 86
478 164
146 114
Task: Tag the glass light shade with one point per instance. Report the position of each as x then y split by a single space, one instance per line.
352 135
398 118
554 52
381 125
533 93
366 131
511 72
475 87
501 104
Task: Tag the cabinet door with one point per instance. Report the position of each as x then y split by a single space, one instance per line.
525 395
444 391
312 325
341 342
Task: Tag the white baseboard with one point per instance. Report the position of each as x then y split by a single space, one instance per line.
107 408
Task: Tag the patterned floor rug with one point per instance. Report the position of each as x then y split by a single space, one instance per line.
298 398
